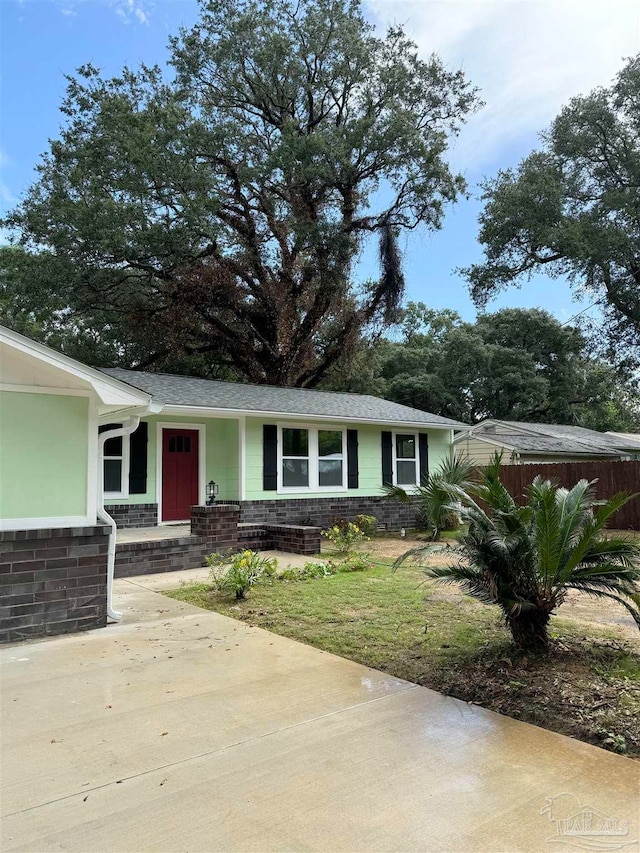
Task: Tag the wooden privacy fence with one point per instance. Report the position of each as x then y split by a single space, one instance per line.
612 477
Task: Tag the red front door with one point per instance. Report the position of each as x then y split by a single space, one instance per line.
179 473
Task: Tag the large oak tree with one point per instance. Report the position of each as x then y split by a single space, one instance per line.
573 208
219 210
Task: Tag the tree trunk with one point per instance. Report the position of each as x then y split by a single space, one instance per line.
529 630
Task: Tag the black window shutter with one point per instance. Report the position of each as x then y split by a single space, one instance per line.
270 457
387 459
352 458
138 459
423 444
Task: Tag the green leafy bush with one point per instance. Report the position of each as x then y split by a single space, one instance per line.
359 562
236 575
345 537
368 524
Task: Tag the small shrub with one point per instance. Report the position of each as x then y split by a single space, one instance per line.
358 562
368 524
236 575
308 572
317 570
345 537
288 575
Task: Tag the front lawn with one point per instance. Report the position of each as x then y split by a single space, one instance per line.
432 635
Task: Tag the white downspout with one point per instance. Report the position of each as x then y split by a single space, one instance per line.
130 426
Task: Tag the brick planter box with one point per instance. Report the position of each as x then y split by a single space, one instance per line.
52 581
295 538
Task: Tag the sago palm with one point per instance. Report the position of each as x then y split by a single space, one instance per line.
433 496
526 558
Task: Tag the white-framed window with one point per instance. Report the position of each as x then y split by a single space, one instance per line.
294 464
311 458
331 458
405 459
116 465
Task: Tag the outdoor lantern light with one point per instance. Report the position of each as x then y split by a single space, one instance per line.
212 492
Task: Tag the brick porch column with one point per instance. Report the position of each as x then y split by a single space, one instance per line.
218 524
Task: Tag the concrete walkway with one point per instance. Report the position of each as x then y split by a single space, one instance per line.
183 730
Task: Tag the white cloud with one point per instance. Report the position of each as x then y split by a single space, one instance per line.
527 56
131 10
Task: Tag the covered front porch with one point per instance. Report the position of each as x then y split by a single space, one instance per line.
156 475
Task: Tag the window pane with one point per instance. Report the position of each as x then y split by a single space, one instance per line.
330 472
295 442
329 443
406 447
112 475
406 473
180 444
295 472
113 447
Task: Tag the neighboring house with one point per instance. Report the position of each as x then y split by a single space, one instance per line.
156 442
279 452
525 443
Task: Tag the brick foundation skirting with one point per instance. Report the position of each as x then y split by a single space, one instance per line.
133 515
301 511
52 581
323 512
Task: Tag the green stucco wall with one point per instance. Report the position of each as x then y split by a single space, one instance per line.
43 455
221 456
369 459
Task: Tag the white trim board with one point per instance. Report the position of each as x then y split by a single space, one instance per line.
93 460
47 522
242 448
45 389
202 463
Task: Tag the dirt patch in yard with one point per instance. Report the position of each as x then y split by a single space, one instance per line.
588 690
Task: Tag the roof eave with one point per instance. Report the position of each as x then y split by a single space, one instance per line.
212 411
111 391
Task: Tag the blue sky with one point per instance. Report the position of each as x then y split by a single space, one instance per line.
527 56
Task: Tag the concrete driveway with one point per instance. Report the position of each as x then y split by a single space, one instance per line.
182 730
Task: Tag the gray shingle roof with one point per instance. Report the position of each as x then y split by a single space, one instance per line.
208 393
546 444
560 438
